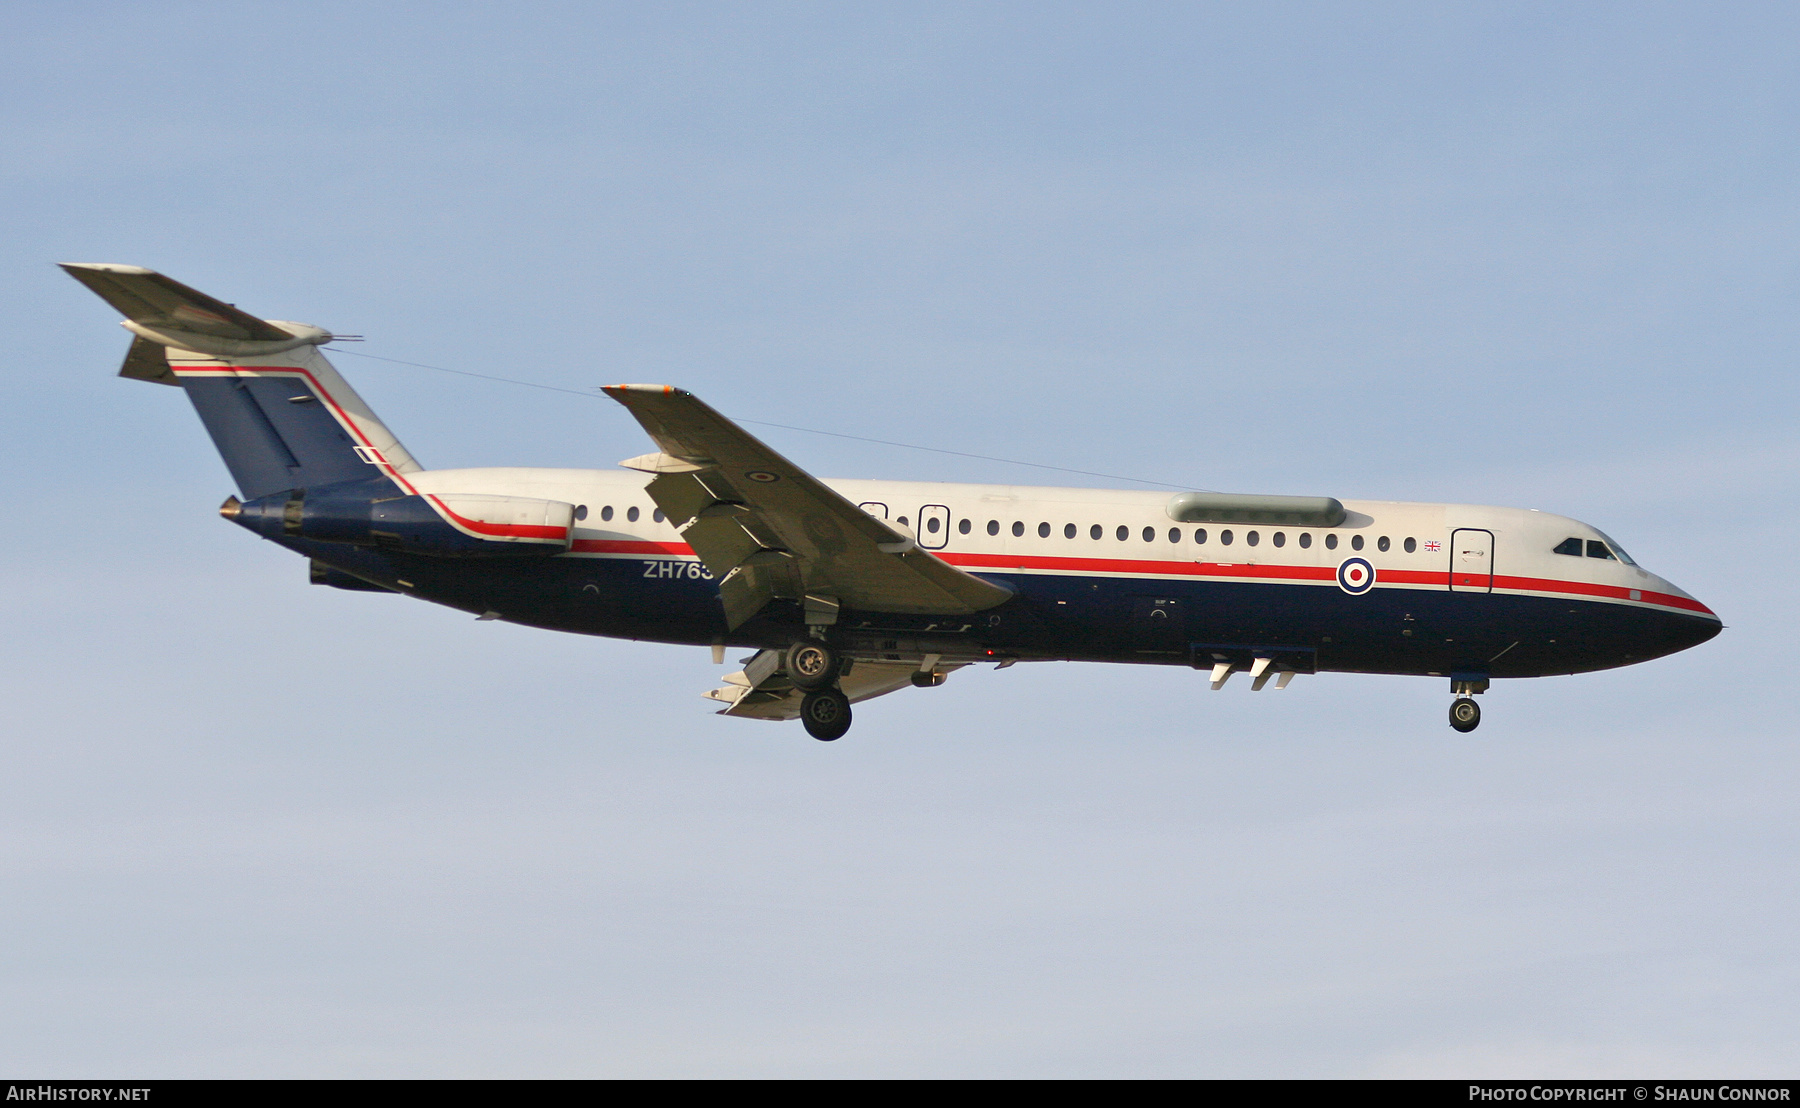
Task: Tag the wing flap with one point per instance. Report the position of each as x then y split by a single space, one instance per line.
772 697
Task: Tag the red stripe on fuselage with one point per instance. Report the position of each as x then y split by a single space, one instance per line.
1232 570
1610 592
618 546
520 530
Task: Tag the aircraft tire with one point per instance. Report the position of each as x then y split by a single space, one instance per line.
826 714
1465 715
811 665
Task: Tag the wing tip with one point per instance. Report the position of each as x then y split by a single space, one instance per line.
659 390
107 267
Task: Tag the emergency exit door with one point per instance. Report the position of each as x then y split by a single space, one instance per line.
934 526
1471 560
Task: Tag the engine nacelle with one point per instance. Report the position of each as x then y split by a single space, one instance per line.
445 525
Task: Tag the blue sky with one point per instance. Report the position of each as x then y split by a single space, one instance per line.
1532 255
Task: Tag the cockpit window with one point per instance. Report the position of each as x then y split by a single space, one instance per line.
1569 545
1616 549
1597 549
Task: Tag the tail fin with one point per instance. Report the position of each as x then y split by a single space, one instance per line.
279 413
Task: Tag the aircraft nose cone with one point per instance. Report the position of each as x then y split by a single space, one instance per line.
1692 631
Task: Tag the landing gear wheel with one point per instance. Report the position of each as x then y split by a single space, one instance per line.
811 665
1465 715
826 713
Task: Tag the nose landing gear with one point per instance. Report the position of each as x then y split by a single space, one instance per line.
1465 714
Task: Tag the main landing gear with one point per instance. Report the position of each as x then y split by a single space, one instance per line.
826 714
813 667
1465 714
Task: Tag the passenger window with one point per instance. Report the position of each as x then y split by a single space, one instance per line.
1124 532
1200 536
903 522
993 527
1149 534
1068 530
1280 538
631 514
1252 538
1569 546
1095 532
606 512
1225 537
1043 530
1412 544
1597 549
1174 534
1018 528
962 528
657 515
1331 542
932 525
1305 540
581 511
1382 544
1356 542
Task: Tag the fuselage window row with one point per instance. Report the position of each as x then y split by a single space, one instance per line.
1576 547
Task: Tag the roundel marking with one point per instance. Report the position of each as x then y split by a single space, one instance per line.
762 475
1356 576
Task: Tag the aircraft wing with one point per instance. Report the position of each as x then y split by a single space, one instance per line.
761 691
766 528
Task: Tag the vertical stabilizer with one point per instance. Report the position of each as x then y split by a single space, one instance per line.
280 414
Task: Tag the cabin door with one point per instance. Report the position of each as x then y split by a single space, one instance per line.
1471 560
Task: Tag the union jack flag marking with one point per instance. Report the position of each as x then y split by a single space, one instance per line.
1433 545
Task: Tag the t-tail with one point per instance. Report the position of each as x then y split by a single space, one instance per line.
279 413
310 459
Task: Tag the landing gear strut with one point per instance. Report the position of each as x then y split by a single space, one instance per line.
826 714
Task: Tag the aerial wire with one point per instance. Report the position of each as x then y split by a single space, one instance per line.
764 423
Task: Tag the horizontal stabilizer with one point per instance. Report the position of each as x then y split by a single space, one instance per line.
146 297
148 361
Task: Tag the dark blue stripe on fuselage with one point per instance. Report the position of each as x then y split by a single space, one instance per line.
1403 631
